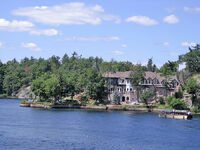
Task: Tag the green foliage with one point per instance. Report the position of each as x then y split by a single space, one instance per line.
147 96
95 85
116 98
137 75
162 100
169 68
192 88
179 94
192 59
150 66
176 103
164 107
25 102
196 109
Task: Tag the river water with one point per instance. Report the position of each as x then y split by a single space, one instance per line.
29 128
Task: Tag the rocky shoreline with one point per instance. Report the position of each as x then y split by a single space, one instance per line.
104 108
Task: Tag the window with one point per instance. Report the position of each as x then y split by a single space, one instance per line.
127 80
122 80
127 98
127 89
131 89
163 82
123 99
145 81
155 81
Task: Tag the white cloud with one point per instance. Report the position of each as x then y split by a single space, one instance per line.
188 44
15 26
172 19
1 44
21 26
68 13
93 39
117 53
124 45
143 20
31 46
166 43
187 9
48 32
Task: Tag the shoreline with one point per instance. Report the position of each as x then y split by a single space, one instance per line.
103 108
98 108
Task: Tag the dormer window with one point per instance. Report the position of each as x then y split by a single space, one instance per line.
127 81
145 81
155 81
163 82
149 81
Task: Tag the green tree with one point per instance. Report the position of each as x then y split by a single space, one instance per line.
150 65
52 88
176 103
147 96
136 77
116 97
2 73
193 88
38 87
192 59
95 88
169 68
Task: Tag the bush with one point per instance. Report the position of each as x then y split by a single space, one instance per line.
176 103
3 95
179 94
25 102
162 100
195 109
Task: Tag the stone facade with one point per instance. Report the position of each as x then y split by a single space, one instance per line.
120 87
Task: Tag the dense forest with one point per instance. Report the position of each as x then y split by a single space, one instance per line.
57 77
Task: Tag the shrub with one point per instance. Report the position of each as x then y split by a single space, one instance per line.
179 94
162 100
176 103
25 102
195 109
3 95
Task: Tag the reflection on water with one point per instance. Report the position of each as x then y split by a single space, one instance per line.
27 128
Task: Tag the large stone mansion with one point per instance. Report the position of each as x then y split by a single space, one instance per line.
119 82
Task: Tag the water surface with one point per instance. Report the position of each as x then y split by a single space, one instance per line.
29 128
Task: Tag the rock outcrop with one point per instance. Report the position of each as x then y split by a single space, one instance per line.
24 93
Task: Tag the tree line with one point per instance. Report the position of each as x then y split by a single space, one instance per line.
56 77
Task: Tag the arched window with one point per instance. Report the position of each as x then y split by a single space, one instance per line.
145 81
155 81
123 99
163 82
149 81
127 98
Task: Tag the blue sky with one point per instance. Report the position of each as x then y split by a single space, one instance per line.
125 30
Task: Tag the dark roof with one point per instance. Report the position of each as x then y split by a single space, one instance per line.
126 74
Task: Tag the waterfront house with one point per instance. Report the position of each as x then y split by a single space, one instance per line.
119 84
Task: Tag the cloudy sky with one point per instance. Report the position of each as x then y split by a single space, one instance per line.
121 29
